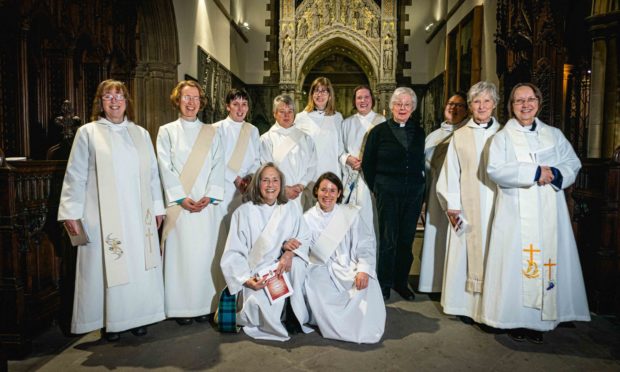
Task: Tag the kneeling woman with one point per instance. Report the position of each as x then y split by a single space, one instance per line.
341 287
264 231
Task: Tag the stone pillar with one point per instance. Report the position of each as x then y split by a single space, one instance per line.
604 119
384 93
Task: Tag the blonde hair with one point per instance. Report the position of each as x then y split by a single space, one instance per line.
330 108
175 96
107 86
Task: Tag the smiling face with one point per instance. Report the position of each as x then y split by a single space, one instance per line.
320 96
189 103
525 105
456 110
113 107
363 101
482 107
284 115
270 185
237 109
402 108
327 195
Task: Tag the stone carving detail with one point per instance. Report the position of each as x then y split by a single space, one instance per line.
358 22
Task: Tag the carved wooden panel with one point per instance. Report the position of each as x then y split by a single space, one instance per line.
29 237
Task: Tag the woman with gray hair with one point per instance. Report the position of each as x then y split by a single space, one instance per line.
467 195
393 167
266 233
289 148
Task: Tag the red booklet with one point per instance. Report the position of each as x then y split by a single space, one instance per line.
277 288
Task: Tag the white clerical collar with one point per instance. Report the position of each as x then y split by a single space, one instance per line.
401 125
233 121
369 116
532 128
190 123
324 214
447 126
107 122
278 128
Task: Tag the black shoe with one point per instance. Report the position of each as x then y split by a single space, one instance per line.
139 331
517 334
386 293
184 321
405 293
202 318
112 336
465 319
535 337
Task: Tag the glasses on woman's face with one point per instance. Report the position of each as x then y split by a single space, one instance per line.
523 101
456 104
117 96
321 92
406 106
190 98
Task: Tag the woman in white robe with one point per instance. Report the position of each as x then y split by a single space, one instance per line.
552 169
129 296
342 289
192 279
241 157
436 226
264 231
354 131
463 187
322 123
290 149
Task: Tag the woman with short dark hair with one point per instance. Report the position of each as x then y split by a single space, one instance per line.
341 287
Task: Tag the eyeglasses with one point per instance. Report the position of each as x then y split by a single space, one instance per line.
117 96
406 106
456 104
190 98
320 92
522 101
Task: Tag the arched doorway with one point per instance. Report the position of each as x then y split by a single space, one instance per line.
344 65
336 38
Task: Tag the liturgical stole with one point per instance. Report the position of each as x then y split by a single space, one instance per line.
115 261
189 174
241 147
288 143
538 216
333 234
465 146
264 243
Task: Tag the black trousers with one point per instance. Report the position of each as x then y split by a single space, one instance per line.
398 215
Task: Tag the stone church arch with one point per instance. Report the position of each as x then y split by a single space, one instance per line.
359 29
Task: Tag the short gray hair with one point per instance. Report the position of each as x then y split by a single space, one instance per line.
404 90
482 87
283 98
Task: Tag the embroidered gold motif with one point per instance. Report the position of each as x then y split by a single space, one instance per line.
532 270
549 267
147 223
114 246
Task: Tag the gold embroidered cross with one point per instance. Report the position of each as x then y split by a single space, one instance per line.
531 251
550 265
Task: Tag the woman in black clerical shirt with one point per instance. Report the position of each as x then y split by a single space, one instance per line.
393 167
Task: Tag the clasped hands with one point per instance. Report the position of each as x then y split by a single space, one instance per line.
292 192
354 162
546 175
195 206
